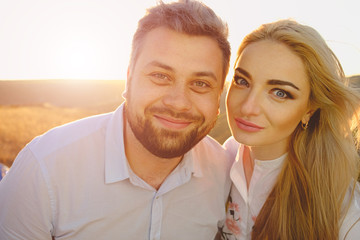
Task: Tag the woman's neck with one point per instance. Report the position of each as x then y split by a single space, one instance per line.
270 152
248 163
262 153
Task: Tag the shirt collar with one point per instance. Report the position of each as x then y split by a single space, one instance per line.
271 163
195 162
116 168
266 167
190 164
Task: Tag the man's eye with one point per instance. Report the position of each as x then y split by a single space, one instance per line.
201 84
159 78
240 81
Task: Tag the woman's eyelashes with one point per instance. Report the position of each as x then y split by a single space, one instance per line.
282 94
276 92
240 81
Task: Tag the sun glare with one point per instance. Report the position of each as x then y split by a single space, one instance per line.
78 58
81 39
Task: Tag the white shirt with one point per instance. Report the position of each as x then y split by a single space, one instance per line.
74 182
245 204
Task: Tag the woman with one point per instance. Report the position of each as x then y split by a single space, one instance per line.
296 167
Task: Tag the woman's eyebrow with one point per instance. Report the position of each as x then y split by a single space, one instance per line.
244 72
282 82
270 82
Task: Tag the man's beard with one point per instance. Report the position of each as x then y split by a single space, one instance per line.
166 143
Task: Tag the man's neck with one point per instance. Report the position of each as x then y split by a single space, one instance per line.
150 168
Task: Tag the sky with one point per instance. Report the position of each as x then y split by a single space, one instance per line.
91 39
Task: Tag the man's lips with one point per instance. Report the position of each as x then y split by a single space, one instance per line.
173 123
247 126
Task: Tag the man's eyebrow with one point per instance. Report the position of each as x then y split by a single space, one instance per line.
244 72
196 74
161 65
206 74
282 82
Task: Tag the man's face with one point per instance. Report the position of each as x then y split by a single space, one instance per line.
173 93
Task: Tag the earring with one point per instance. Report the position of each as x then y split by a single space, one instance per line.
304 125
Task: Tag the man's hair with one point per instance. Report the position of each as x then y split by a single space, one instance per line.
185 16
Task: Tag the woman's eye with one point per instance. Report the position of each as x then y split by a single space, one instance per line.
240 81
282 94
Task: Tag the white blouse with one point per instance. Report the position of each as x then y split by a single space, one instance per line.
245 204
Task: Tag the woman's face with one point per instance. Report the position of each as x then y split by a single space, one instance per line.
268 97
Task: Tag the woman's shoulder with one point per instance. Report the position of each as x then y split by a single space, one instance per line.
354 232
350 228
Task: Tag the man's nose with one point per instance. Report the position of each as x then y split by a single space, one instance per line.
177 97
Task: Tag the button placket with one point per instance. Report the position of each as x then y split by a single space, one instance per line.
156 217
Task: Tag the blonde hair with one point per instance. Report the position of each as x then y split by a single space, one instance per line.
307 201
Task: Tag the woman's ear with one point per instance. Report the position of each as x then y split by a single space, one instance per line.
306 118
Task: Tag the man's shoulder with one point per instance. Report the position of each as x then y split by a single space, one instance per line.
214 161
231 146
68 134
211 151
210 144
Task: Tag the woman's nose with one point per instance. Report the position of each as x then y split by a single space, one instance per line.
251 105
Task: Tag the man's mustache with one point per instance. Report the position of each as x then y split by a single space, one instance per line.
178 115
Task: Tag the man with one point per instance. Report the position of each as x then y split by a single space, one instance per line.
144 171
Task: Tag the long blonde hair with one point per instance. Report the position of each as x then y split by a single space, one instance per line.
307 201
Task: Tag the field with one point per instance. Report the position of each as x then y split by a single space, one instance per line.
20 124
30 108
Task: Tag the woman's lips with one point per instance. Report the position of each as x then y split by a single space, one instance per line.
247 126
172 123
